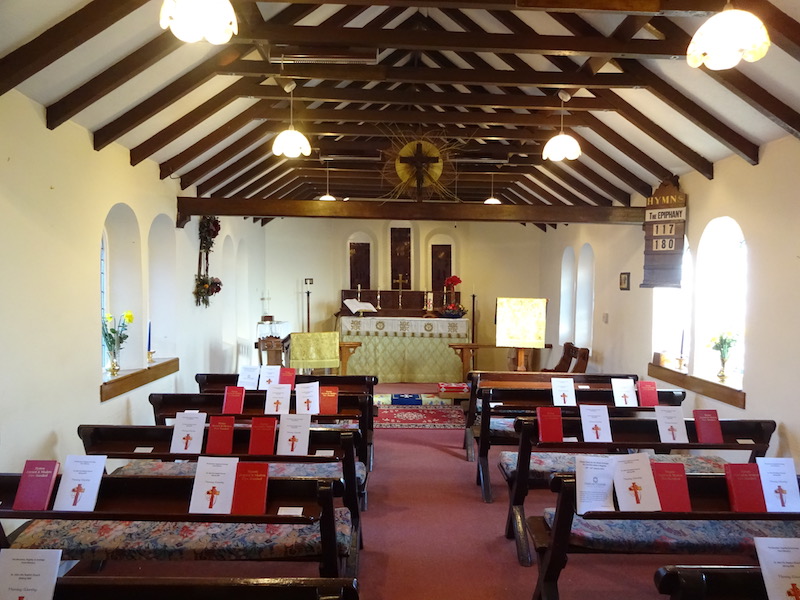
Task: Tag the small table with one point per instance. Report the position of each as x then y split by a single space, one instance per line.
466 352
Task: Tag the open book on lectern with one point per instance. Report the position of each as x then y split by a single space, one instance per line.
356 306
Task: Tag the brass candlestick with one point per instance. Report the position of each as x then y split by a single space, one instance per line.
150 354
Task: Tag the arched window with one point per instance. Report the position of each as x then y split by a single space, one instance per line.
672 317
566 313
584 298
721 298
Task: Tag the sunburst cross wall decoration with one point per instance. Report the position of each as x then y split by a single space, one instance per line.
420 162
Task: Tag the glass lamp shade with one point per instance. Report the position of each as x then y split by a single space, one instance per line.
726 38
560 147
291 144
327 198
193 20
492 200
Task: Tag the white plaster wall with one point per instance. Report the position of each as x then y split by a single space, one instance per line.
55 193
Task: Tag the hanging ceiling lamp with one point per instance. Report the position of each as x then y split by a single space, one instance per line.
193 20
563 145
290 142
726 38
491 199
327 195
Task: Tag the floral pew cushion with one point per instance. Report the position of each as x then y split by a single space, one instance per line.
544 463
673 536
169 540
502 426
328 470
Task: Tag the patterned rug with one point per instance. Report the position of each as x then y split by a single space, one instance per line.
420 417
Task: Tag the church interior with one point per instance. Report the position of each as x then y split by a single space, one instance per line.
672 229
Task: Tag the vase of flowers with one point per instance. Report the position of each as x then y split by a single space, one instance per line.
723 344
113 337
452 309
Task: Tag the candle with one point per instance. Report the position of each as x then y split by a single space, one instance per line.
149 348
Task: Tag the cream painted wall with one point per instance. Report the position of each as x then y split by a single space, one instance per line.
55 194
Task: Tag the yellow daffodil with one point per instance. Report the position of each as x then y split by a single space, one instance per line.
128 316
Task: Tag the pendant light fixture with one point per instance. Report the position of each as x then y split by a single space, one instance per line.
726 38
290 142
563 145
327 195
491 199
193 20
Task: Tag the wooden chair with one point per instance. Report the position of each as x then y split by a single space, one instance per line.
94 587
571 352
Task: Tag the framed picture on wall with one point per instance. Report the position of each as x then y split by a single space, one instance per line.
624 281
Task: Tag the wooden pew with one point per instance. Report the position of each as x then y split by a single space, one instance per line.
708 582
499 406
357 407
347 384
139 518
629 434
710 528
521 380
121 442
93 587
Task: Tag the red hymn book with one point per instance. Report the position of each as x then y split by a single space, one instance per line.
220 435
328 400
262 435
672 486
550 426
744 487
36 485
287 375
648 395
706 423
250 488
233 402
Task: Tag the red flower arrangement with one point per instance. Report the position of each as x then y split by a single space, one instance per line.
452 281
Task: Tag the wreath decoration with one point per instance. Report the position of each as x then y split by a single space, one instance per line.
205 285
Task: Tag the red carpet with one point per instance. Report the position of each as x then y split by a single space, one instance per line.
420 417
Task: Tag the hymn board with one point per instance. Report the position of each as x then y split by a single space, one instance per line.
664 229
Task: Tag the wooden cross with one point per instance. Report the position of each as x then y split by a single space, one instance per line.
793 592
186 439
420 162
77 490
781 495
212 496
596 429
636 488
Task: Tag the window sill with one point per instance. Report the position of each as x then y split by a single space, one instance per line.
712 389
134 378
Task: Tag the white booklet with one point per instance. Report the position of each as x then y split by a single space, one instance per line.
187 433
307 397
214 480
594 482
28 574
635 485
80 482
779 483
269 375
563 391
624 391
279 397
248 377
594 423
293 434
671 425
780 566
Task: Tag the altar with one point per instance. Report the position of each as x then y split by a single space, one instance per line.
405 349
